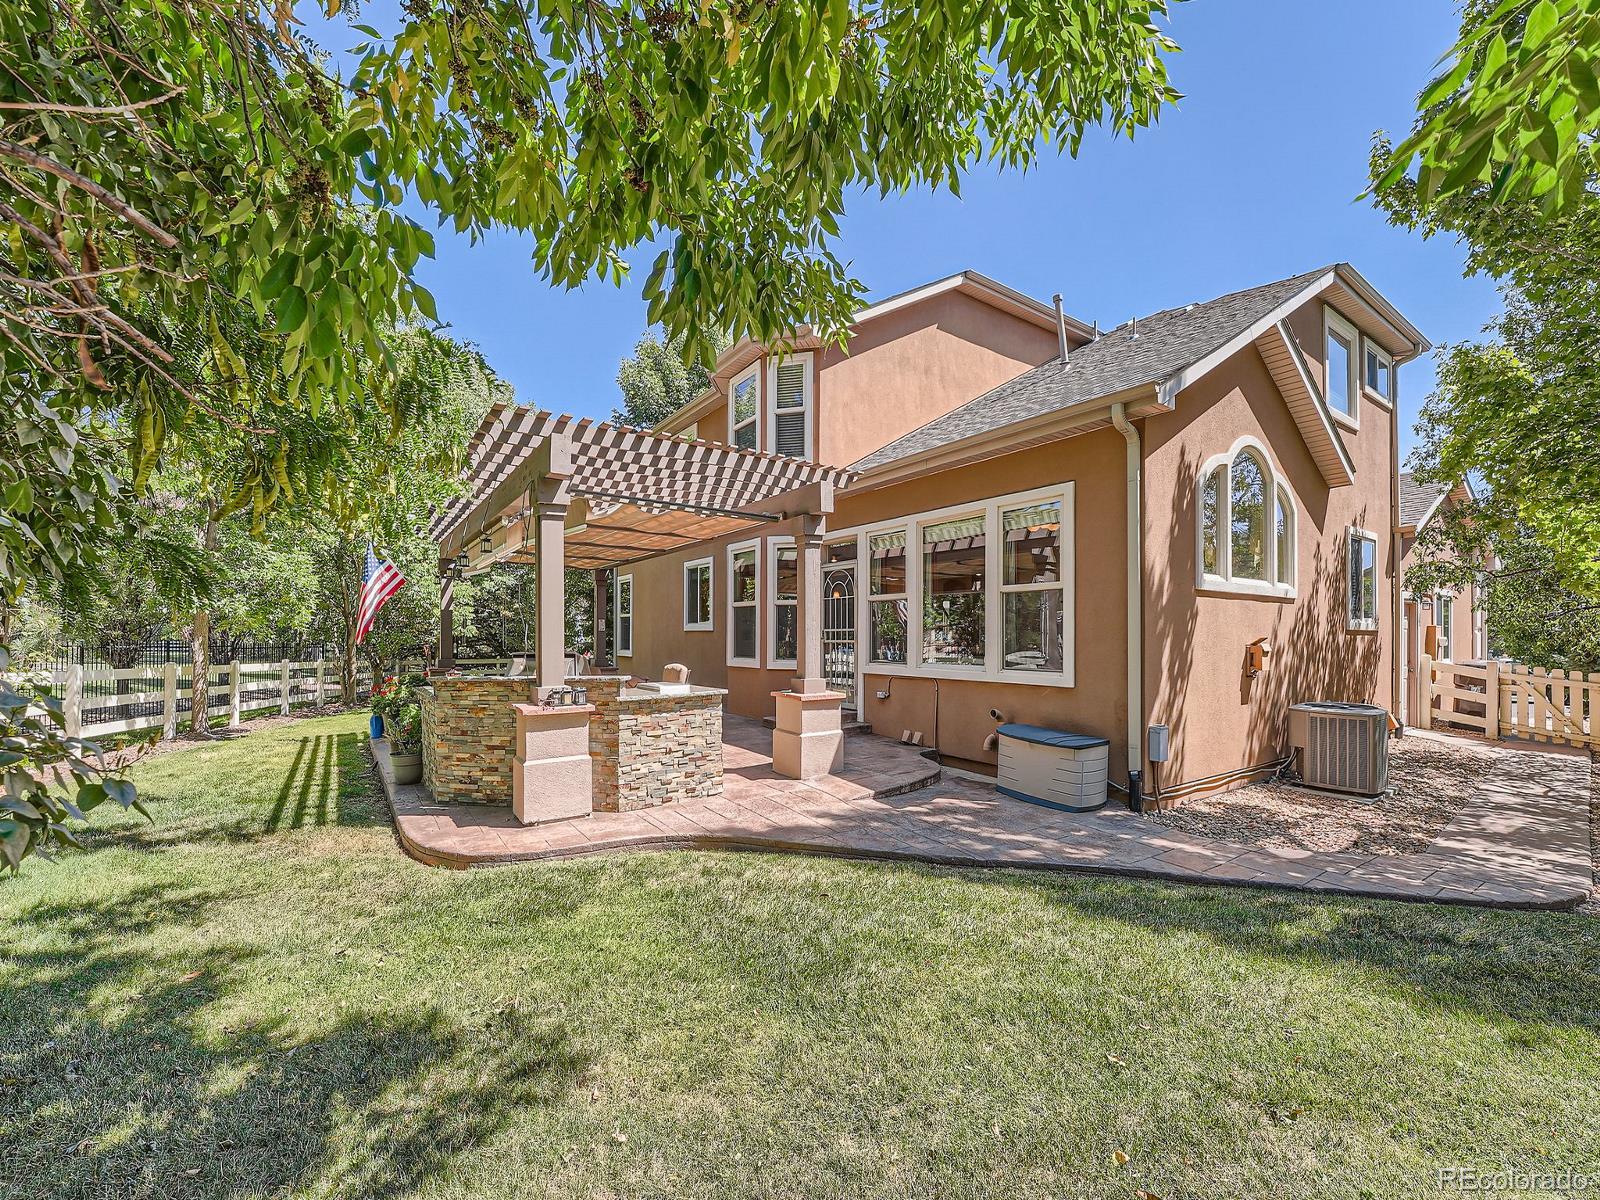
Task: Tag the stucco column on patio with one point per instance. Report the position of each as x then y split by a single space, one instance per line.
808 739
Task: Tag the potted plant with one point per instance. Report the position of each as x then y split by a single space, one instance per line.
404 723
381 695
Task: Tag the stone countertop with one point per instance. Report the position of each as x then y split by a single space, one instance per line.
695 690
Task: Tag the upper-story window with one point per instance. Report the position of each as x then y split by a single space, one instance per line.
791 415
1378 372
1247 524
1343 389
744 409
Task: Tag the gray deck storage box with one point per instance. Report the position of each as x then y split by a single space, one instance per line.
1053 768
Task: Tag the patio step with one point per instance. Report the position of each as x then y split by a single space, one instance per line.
847 726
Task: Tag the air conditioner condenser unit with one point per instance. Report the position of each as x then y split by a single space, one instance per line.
1343 747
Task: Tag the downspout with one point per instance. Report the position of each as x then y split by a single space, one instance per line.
1397 675
1130 435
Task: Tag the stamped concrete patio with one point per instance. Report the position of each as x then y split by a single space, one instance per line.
1522 841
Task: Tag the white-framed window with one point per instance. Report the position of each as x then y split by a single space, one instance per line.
624 616
955 557
888 614
744 410
690 432
1361 583
744 600
697 591
783 627
1246 526
1377 372
1444 615
1032 588
980 591
1341 344
790 384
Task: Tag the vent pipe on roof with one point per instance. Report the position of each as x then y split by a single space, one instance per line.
1096 336
1135 334
1061 331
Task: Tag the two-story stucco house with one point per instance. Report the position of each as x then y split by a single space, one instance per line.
1088 531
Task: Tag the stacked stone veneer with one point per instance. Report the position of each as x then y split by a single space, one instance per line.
650 749
469 736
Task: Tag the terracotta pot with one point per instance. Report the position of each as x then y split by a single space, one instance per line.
407 767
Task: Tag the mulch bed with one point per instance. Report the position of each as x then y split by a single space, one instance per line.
1429 782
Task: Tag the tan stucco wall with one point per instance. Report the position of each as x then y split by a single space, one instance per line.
1097 704
901 371
1195 644
908 367
1461 642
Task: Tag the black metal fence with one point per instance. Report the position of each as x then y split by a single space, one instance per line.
159 653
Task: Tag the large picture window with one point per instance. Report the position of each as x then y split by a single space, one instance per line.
953 596
975 591
1362 581
697 595
886 593
1031 588
785 604
1246 519
743 598
624 615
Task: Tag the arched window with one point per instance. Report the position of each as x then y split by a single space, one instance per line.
1247 524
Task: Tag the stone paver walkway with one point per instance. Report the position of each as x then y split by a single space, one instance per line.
1521 842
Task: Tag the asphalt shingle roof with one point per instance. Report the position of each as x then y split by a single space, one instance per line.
1417 498
1168 342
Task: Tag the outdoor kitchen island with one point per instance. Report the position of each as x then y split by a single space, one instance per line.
487 739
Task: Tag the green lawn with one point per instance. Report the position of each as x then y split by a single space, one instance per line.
258 995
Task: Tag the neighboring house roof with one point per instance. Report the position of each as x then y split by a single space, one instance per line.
1164 352
1419 501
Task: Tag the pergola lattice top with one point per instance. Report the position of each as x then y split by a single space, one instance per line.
657 491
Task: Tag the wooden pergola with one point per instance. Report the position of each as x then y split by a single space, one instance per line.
559 491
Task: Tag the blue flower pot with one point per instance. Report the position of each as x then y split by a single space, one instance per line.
376 726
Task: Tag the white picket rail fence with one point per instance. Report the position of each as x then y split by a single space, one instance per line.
234 690
1511 700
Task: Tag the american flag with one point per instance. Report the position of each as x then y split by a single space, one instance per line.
379 581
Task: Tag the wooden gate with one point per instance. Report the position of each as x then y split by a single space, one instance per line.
1510 700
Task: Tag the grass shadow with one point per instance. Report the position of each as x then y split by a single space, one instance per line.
121 1075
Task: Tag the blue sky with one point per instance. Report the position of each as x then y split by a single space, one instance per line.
1252 177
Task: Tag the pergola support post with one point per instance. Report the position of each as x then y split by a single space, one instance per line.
447 621
549 498
601 621
808 739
